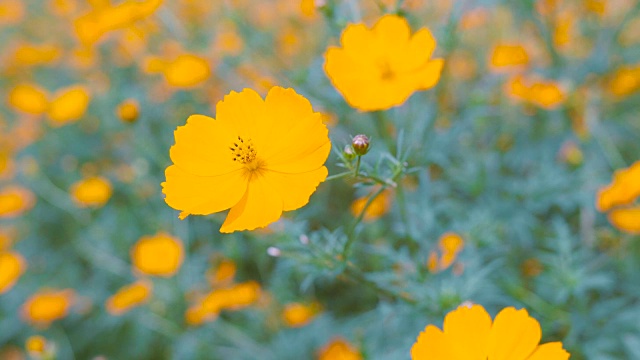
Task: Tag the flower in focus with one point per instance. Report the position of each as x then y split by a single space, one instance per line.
625 81
298 315
129 297
47 306
618 199
543 93
128 111
469 333
12 265
450 245
379 68
184 71
507 56
259 158
339 349
376 209
91 192
68 105
15 200
160 255
29 98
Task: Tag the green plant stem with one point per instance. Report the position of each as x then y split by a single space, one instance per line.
356 274
356 173
338 176
351 233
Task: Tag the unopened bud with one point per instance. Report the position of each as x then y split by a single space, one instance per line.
348 152
360 144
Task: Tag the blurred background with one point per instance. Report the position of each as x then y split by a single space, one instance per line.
537 107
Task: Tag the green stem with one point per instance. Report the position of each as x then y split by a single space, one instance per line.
357 166
338 176
351 234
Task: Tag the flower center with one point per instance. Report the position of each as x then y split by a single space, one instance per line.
243 151
386 73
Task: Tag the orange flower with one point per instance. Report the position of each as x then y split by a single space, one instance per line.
129 297
339 349
626 219
542 93
91 192
92 26
128 111
469 333
234 297
159 255
184 71
504 55
623 189
12 266
15 200
11 12
259 158
36 346
68 105
224 272
46 306
30 54
377 208
450 245
298 315
379 68
29 98
625 81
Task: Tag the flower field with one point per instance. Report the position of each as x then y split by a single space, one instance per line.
320 179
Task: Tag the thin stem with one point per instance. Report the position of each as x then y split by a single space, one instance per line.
357 166
338 176
351 234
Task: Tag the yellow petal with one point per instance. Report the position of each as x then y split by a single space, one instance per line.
357 40
260 206
392 32
431 345
202 147
203 195
429 75
467 330
295 189
417 52
241 111
514 335
626 219
550 351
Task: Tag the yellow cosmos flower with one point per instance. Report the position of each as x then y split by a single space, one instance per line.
15 200
159 255
505 55
184 71
35 346
339 349
259 158
625 81
543 93
469 333
29 98
31 54
92 26
224 272
618 198
91 192
68 105
128 111
298 315
450 245
233 297
379 68
12 265
46 306
129 297
11 12
376 209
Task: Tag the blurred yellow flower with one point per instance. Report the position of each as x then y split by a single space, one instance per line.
228 42
224 272
29 98
625 81
92 26
15 200
626 219
450 245
35 346
543 93
598 7
379 68
378 207
129 297
6 238
47 306
623 189
298 315
339 349
68 105
259 158
31 54
160 255
184 71
508 55
12 265
11 12
469 333
563 33
128 111
233 297
92 191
